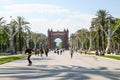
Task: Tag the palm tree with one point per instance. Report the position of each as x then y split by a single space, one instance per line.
116 41
27 36
102 16
4 36
90 34
96 27
21 23
112 28
104 22
35 39
82 37
100 22
12 29
72 39
1 32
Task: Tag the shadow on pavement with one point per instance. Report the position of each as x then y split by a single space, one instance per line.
60 72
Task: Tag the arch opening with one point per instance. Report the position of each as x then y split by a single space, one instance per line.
58 43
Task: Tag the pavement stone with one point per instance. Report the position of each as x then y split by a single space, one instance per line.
62 67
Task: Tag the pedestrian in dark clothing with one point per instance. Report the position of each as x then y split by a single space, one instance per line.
96 53
61 51
29 52
57 51
46 52
41 52
71 53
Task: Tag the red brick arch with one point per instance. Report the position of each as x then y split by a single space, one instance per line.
63 35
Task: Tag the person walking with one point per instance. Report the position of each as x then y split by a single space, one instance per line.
29 52
71 53
96 54
41 52
46 52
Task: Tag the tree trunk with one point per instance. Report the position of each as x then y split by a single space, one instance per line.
12 50
82 45
90 44
108 45
35 45
104 40
27 43
15 44
20 43
99 32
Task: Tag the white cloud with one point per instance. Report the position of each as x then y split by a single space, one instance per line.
6 1
74 23
57 18
82 16
32 8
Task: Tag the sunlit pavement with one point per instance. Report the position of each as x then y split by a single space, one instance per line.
62 67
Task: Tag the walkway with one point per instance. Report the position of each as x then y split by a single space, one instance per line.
62 67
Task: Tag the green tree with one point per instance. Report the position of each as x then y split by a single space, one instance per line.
100 23
21 23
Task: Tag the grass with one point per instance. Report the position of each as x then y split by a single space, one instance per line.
91 53
10 58
2 53
113 57
106 56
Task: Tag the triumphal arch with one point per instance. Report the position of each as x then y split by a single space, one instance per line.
63 35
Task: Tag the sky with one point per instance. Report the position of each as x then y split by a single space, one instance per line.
57 14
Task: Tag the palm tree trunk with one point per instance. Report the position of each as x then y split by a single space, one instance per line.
20 43
99 32
15 43
12 50
104 41
35 45
108 45
90 44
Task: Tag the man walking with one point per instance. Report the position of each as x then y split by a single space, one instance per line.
46 52
29 52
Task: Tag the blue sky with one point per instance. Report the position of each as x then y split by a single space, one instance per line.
57 14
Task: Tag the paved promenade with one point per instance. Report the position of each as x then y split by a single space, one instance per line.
62 67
